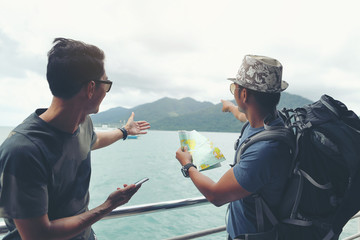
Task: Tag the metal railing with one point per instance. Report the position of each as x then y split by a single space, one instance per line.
167 205
142 209
155 207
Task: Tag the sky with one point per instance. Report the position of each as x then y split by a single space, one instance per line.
180 48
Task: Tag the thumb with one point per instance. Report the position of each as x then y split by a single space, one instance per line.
131 118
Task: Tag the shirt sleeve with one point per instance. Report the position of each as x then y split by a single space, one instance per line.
23 192
255 167
91 130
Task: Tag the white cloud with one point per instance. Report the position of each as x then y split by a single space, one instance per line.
20 97
184 48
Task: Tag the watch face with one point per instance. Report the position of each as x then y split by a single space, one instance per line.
185 172
185 169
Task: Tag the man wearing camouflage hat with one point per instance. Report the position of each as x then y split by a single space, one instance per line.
264 165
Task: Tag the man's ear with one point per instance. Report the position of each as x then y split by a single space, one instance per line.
90 89
245 94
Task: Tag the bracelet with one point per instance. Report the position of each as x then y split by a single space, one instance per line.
125 133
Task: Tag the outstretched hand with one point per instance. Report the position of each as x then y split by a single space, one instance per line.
230 107
226 105
136 127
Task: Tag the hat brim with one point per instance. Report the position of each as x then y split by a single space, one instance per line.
284 84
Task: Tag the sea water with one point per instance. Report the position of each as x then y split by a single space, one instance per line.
153 155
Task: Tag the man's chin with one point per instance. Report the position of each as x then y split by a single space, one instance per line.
95 111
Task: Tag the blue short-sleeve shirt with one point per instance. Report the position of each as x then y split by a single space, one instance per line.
263 169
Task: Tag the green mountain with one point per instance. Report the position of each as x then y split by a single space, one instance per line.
186 114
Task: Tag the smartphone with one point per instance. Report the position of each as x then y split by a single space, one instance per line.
141 181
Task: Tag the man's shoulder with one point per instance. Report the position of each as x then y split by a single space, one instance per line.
17 141
267 142
17 149
28 138
278 121
30 123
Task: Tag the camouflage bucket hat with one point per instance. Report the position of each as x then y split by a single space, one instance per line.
261 74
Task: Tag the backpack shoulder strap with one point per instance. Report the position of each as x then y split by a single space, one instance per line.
261 210
236 145
282 134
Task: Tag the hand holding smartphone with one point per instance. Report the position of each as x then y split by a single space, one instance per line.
141 181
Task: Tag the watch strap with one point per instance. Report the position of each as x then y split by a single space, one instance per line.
185 169
125 133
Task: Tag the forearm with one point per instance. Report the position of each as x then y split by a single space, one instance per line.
226 190
77 224
234 110
39 228
107 138
69 227
65 228
205 185
237 114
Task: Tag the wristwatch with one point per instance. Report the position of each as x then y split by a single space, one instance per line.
185 169
125 133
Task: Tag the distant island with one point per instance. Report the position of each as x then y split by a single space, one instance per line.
184 114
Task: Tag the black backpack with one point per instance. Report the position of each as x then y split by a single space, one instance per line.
322 191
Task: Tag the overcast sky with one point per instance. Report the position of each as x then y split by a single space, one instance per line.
180 48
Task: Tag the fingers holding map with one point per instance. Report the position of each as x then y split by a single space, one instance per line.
205 155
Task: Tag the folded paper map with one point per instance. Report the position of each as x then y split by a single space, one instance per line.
205 155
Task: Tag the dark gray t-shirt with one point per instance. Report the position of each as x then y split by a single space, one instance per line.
45 171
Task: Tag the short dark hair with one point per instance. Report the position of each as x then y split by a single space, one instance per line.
266 101
72 63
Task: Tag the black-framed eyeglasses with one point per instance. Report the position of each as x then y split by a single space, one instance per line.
107 82
233 88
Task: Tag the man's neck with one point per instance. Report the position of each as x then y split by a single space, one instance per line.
64 115
255 118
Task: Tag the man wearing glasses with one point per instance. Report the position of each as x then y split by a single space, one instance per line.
264 165
45 162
